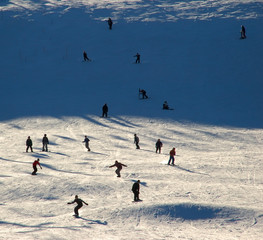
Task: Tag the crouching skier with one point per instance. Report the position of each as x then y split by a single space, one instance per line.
80 204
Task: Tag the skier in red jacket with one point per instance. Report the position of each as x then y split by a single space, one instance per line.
119 167
172 154
35 163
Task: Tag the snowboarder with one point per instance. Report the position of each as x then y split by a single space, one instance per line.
165 105
172 154
110 23
35 163
29 144
136 141
136 191
138 58
158 145
119 167
80 204
143 93
45 143
243 32
105 110
85 56
86 141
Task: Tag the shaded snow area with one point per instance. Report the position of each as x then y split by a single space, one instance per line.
193 58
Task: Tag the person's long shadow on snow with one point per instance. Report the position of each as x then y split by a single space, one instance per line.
90 221
188 170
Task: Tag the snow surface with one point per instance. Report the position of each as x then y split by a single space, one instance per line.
192 57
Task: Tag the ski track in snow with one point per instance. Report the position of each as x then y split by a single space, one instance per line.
227 195
145 10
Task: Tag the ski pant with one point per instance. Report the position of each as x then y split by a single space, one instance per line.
158 149
171 158
137 145
136 195
87 146
76 209
35 170
118 172
30 148
104 114
44 147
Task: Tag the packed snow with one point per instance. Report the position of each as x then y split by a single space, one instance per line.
193 58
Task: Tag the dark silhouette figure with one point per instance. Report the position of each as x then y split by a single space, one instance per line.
29 144
243 32
80 204
45 143
110 23
105 110
136 141
86 141
158 145
119 167
85 56
136 190
143 93
35 163
165 105
138 58
172 154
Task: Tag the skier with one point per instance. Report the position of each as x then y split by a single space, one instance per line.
143 92
29 144
35 163
119 167
136 191
243 32
136 141
172 154
158 145
80 204
110 23
138 58
85 56
86 141
45 143
165 105
105 110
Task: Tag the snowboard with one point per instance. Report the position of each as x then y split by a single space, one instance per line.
137 201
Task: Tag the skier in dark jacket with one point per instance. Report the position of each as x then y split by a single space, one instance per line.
80 204
138 58
243 32
143 93
35 163
86 141
136 141
29 144
105 110
45 143
119 167
136 190
110 23
158 145
85 56
165 105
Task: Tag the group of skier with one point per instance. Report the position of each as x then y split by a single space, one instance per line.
135 189
45 142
